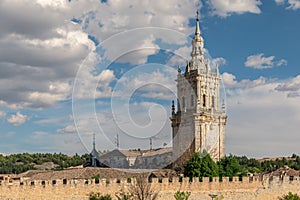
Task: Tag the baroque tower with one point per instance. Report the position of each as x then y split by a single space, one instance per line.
199 123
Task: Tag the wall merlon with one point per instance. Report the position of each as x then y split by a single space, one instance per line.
165 180
225 182
235 179
245 179
225 179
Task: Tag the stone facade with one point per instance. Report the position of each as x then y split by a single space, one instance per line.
138 159
200 119
254 188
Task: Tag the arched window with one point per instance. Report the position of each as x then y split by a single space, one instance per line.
213 101
204 100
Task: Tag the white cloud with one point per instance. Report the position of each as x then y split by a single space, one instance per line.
67 129
17 119
281 62
218 61
225 8
117 17
181 56
292 4
2 113
257 116
50 47
259 61
132 48
292 87
230 81
141 79
279 1
89 85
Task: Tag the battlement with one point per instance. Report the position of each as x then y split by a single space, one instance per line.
67 188
154 181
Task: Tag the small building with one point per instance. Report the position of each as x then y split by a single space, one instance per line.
138 159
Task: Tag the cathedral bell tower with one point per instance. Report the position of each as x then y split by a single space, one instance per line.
199 123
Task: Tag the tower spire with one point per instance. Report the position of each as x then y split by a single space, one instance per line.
197 32
197 53
94 143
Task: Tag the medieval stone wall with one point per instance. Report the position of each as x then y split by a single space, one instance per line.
255 188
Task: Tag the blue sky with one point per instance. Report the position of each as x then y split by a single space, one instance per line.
109 67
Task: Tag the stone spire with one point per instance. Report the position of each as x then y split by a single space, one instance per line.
94 142
197 32
197 49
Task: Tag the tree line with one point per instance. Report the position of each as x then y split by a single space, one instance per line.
201 165
18 163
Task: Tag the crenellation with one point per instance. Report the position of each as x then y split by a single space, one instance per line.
235 179
215 179
226 179
154 180
246 187
165 180
195 180
205 180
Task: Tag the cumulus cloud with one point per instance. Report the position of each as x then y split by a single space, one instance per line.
292 4
67 129
158 80
256 110
230 81
279 1
17 119
50 48
181 56
39 56
256 116
2 114
218 61
292 87
89 84
117 17
224 8
259 61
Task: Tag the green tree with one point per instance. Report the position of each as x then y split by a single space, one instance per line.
182 195
289 196
229 166
200 165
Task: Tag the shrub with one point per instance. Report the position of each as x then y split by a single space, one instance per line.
289 196
99 196
182 195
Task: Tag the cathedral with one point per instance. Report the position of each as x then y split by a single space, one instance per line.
199 123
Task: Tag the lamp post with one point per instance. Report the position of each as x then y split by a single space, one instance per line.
213 196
